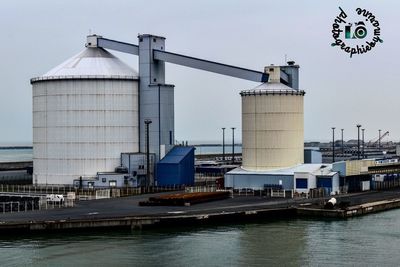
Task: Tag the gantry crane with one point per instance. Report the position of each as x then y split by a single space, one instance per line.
373 142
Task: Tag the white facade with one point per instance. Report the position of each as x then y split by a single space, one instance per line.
85 114
272 127
309 177
308 174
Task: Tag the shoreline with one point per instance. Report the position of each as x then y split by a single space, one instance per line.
103 214
15 147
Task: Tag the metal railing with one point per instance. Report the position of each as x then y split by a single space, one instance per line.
24 198
12 206
389 184
86 193
35 189
31 203
269 192
195 189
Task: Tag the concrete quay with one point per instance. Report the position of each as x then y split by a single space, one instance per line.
126 213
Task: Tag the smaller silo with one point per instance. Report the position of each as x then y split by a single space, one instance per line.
272 125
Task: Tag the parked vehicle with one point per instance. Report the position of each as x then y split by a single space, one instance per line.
53 198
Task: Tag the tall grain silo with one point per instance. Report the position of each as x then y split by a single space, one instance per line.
272 125
85 113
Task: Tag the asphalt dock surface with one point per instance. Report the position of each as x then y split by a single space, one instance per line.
126 211
129 206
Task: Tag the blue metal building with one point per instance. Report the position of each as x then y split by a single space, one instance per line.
312 155
177 167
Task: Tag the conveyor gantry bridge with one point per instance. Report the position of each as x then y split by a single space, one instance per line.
156 97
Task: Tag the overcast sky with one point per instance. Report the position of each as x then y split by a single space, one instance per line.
340 91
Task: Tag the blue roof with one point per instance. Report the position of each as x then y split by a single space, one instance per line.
177 154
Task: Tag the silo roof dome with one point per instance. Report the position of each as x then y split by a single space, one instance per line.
92 62
272 88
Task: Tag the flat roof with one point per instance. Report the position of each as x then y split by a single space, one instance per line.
112 173
307 168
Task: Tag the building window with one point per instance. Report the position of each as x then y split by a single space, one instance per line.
103 180
113 183
301 183
90 184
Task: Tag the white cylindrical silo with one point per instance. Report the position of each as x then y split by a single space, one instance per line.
272 127
85 113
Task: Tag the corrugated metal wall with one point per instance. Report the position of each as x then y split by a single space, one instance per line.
177 167
272 130
357 167
80 127
257 181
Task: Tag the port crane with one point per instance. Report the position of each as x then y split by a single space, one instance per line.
373 142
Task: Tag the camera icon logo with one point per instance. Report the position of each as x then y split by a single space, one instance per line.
350 37
360 31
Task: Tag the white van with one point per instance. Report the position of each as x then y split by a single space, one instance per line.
55 198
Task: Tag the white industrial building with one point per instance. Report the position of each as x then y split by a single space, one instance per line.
273 140
301 178
85 113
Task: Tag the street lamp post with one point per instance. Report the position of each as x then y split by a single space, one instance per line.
223 144
363 153
342 145
333 144
358 141
147 122
379 140
233 145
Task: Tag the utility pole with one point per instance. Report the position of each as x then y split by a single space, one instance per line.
358 141
379 140
147 122
342 144
363 154
233 145
333 144
344 178
223 144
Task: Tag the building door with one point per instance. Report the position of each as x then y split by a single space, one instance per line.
326 183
